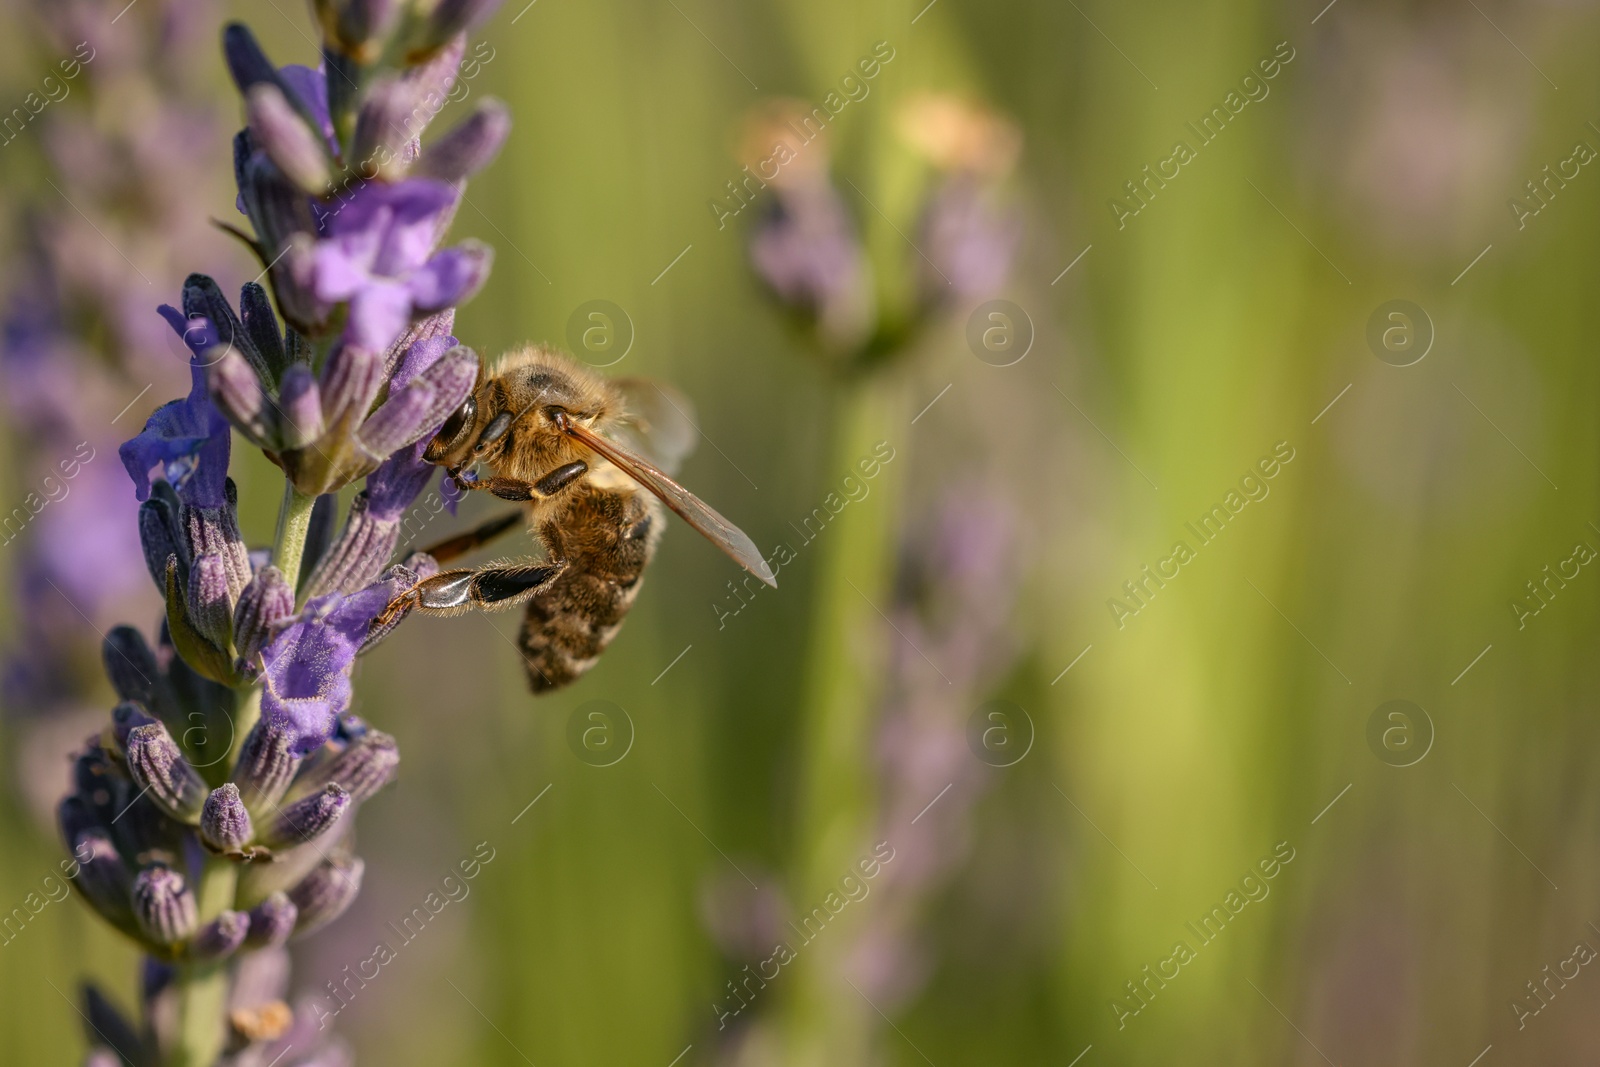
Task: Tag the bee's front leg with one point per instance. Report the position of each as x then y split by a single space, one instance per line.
517 489
492 588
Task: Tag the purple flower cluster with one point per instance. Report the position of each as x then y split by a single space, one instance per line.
234 755
806 249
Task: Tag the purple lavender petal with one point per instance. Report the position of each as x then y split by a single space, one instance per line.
379 311
308 664
311 87
452 276
187 438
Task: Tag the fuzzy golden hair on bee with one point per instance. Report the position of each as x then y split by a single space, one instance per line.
590 459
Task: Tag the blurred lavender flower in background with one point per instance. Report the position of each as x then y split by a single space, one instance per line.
128 144
806 246
954 597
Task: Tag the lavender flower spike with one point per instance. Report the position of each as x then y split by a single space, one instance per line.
209 851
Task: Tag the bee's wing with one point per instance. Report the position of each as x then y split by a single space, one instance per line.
659 422
696 512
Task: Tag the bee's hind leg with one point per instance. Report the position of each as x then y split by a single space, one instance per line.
454 592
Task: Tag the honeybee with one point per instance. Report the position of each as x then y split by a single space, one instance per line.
571 445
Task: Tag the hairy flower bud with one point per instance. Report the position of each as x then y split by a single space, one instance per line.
470 146
130 664
266 766
367 764
297 148
163 905
267 602
272 921
235 389
307 819
224 822
324 894
103 879
210 610
127 717
220 938
261 327
160 536
300 404
159 768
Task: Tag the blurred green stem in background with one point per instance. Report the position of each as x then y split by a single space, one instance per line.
826 1023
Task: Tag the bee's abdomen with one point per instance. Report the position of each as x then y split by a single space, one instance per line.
607 539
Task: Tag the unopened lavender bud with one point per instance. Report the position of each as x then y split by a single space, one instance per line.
130 664
324 894
401 419
358 27
107 1025
307 819
272 921
449 18
295 147
300 404
419 566
216 530
261 327
197 650
359 553
103 879
266 603
470 146
219 938
350 382
74 817
210 610
247 63
365 766
163 905
159 768
386 121
266 765
423 404
235 389
127 717
224 822
159 537
203 298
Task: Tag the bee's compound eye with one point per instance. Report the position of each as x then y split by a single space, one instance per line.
454 428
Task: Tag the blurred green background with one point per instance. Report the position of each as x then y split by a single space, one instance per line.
1229 717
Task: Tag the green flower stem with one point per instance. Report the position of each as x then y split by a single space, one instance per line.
294 518
822 1023
202 988
244 720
